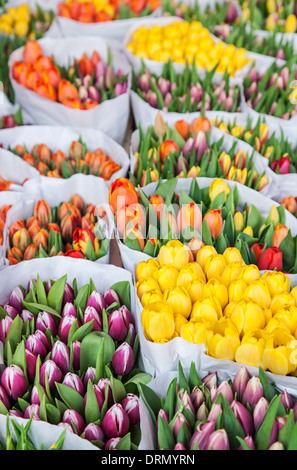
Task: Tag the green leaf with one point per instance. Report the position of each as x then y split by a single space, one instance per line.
56 293
268 388
92 410
183 383
263 433
36 308
71 397
14 334
231 423
166 439
292 444
167 189
286 432
118 390
151 400
170 400
124 443
90 346
82 297
254 219
194 378
123 289
81 332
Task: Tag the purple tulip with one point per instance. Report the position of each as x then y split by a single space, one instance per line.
112 443
65 325
118 325
200 144
243 416
99 396
274 434
152 99
231 13
26 315
226 390
253 392
185 399
201 435
14 382
102 384
11 311
281 421
91 313
287 400
45 321
197 397
259 411
93 432
110 297
86 80
61 356
4 398
30 284
99 70
42 337
162 414
89 375
53 372
16 299
132 331
32 410
97 301
123 359
109 77
214 412
69 309
75 382
68 294
36 346
76 345
35 398
83 93
218 440
180 419
94 94
115 422
66 426
72 417
187 148
131 406
202 412
164 85
144 82
5 324
179 446
210 380
249 441
120 88
16 413
240 382
31 360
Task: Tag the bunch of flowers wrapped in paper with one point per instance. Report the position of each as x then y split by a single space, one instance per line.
68 354
270 15
20 21
191 149
218 300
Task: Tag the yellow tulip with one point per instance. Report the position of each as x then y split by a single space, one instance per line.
274 323
145 269
232 254
250 273
277 282
248 230
251 350
151 296
279 355
21 28
195 331
175 253
214 266
179 300
232 272
158 322
179 321
145 285
294 294
217 187
215 287
189 273
288 316
258 292
290 24
229 308
204 253
196 290
246 316
280 301
207 309
236 290
222 340
166 276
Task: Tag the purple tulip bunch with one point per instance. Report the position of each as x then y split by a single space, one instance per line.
68 353
248 413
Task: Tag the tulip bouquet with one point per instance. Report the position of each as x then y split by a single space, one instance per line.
68 229
271 92
271 15
184 42
57 164
190 149
218 301
246 413
70 356
91 11
186 91
86 83
279 151
20 21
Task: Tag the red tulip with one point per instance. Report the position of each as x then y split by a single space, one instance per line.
271 258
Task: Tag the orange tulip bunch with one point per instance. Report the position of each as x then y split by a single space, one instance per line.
89 81
59 165
68 229
3 211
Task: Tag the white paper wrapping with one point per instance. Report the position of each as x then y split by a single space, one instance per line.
14 169
60 138
89 187
110 117
103 276
8 198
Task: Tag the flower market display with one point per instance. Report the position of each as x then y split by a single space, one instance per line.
148 226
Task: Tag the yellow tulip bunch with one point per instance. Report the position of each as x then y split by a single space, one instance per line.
182 41
16 20
218 300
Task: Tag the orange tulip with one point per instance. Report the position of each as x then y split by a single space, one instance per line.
81 238
133 213
290 204
122 193
183 128
32 51
42 211
43 63
279 235
14 255
200 124
189 215
215 222
134 233
157 203
73 103
46 90
167 148
64 10
43 153
85 65
66 90
15 227
31 251
41 238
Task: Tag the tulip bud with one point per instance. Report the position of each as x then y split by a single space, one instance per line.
110 296
226 390
118 325
61 356
11 311
185 399
5 324
66 426
202 413
43 338
4 398
31 360
97 301
32 410
253 392
201 435
102 384
26 315
180 419
53 372
69 309
68 295
65 325
240 382
16 299
74 419
131 406
218 440
243 416
276 446
89 375
214 412
13 381
91 313
249 441
93 432
112 443
115 422
35 398
197 397
36 346
45 321
42 211
16 413
123 359
210 380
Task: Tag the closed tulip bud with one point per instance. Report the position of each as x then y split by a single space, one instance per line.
184 398
225 162
42 211
240 382
180 419
89 375
66 426
110 296
11 311
123 359
91 313
210 380
179 300
201 435
276 446
5 325
32 410
31 360
35 398
115 422
208 309
158 322
162 414
36 346
280 233
271 258
214 287
65 325
218 186
4 398
69 309
218 440
202 413
131 406
243 416
73 418
249 441
50 369
215 411
97 301
45 321
103 384
26 315
174 253
118 325
200 145
43 338
215 266
16 299
287 400
226 390
253 392
197 397
61 356
68 295
93 432
14 382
